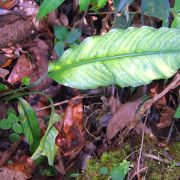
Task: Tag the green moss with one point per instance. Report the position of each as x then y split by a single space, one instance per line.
156 170
161 171
174 149
108 160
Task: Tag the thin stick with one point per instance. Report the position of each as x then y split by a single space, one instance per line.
152 156
172 85
100 13
85 124
175 83
170 132
142 142
64 102
141 170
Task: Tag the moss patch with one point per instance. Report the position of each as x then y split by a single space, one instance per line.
156 170
108 161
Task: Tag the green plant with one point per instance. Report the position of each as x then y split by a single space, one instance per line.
48 6
176 14
29 123
119 172
151 8
111 164
177 113
3 87
47 146
65 38
12 123
159 9
26 81
131 57
84 4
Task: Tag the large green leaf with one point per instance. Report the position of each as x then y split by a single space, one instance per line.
29 124
84 4
48 6
176 22
47 146
177 6
101 3
130 57
159 9
122 4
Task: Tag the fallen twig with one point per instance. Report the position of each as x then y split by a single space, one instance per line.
152 156
64 102
142 142
146 108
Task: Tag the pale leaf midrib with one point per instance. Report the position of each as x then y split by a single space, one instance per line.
112 58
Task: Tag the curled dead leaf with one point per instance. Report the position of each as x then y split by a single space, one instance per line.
3 73
10 174
8 4
64 19
166 118
122 119
71 138
22 68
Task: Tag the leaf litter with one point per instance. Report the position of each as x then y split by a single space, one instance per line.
100 121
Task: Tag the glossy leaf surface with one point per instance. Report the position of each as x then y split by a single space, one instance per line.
47 146
48 6
101 3
131 57
159 9
29 124
84 4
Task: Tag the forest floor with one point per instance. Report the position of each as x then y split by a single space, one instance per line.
101 133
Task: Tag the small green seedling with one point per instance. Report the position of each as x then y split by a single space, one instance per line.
177 113
12 123
26 81
3 87
64 38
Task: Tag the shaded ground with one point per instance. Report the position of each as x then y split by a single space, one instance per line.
99 128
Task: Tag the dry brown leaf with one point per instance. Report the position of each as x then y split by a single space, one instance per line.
22 68
122 118
3 73
8 4
19 170
7 63
41 65
166 118
154 89
73 117
9 174
105 25
64 19
53 19
115 104
140 127
71 138
15 32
